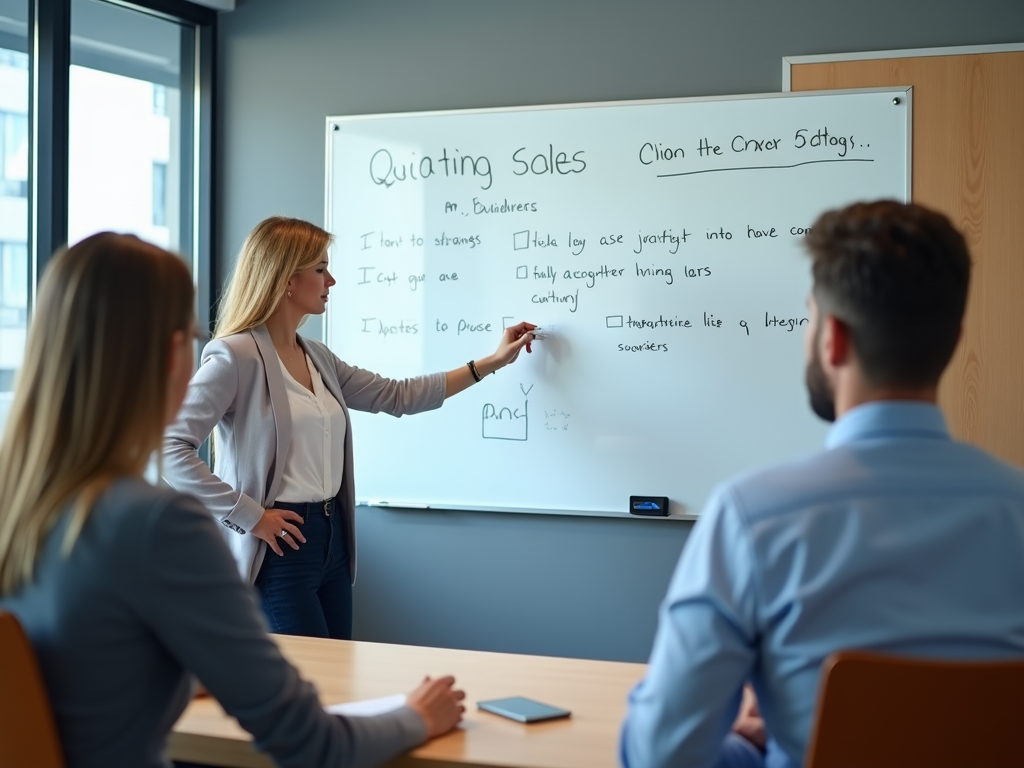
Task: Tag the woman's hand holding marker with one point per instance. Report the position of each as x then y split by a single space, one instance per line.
513 340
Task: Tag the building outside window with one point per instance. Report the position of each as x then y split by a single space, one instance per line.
125 124
138 142
159 194
14 259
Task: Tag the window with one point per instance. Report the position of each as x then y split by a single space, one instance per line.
13 284
14 259
125 144
120 138
160 100
14 152
159 194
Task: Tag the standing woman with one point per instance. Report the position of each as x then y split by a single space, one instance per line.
278 406
125 590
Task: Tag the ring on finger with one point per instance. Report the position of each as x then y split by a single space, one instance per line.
283 534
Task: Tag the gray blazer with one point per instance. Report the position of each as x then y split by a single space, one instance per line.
148 595
239 390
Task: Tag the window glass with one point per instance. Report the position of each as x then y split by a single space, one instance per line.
14 268
159 194
126 125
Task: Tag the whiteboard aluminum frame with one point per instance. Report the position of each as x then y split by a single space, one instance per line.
523 511
336 120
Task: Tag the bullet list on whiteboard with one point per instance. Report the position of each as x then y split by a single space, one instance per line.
633 207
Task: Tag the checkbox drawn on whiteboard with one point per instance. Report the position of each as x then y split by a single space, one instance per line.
613 321
522 272
521 240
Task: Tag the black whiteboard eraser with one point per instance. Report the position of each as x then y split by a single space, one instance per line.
649 506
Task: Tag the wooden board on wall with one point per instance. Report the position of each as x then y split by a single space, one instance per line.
968 161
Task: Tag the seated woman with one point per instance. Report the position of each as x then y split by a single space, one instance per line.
125 590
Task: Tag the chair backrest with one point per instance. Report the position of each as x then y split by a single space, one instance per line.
28 733
880 711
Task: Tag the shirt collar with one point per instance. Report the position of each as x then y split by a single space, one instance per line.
888 418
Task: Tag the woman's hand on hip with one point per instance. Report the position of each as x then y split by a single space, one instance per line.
438 703
279 524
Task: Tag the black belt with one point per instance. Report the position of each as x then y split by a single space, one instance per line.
308 507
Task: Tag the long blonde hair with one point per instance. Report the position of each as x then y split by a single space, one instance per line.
89 405
275 250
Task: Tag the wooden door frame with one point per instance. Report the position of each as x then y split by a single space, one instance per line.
788 62
968 162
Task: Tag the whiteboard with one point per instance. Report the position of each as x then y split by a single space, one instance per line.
657 244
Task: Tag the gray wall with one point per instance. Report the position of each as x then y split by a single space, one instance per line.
563 586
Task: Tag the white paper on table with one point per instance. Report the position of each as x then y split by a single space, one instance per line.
367 707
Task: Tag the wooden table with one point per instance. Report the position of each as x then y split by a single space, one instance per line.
595 691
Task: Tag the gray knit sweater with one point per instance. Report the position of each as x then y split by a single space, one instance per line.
148 595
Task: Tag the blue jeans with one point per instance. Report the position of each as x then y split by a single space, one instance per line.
308 591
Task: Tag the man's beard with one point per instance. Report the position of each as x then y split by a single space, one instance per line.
823 400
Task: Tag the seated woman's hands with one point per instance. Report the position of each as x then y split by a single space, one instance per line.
438 703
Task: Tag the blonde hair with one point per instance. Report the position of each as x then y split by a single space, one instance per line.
275 250
90 401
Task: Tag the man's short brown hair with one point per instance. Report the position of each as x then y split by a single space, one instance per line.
897 275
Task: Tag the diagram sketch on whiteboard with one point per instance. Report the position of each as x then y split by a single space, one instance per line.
504 422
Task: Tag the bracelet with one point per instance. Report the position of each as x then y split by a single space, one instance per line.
474 371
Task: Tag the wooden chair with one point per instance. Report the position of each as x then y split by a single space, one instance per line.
876 711
28 733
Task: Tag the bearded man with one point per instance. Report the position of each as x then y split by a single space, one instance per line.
895 538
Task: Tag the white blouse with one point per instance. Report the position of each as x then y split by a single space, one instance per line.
313 466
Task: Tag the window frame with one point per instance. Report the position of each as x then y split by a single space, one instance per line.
49 42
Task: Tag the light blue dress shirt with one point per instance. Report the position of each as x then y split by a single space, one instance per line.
896 539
